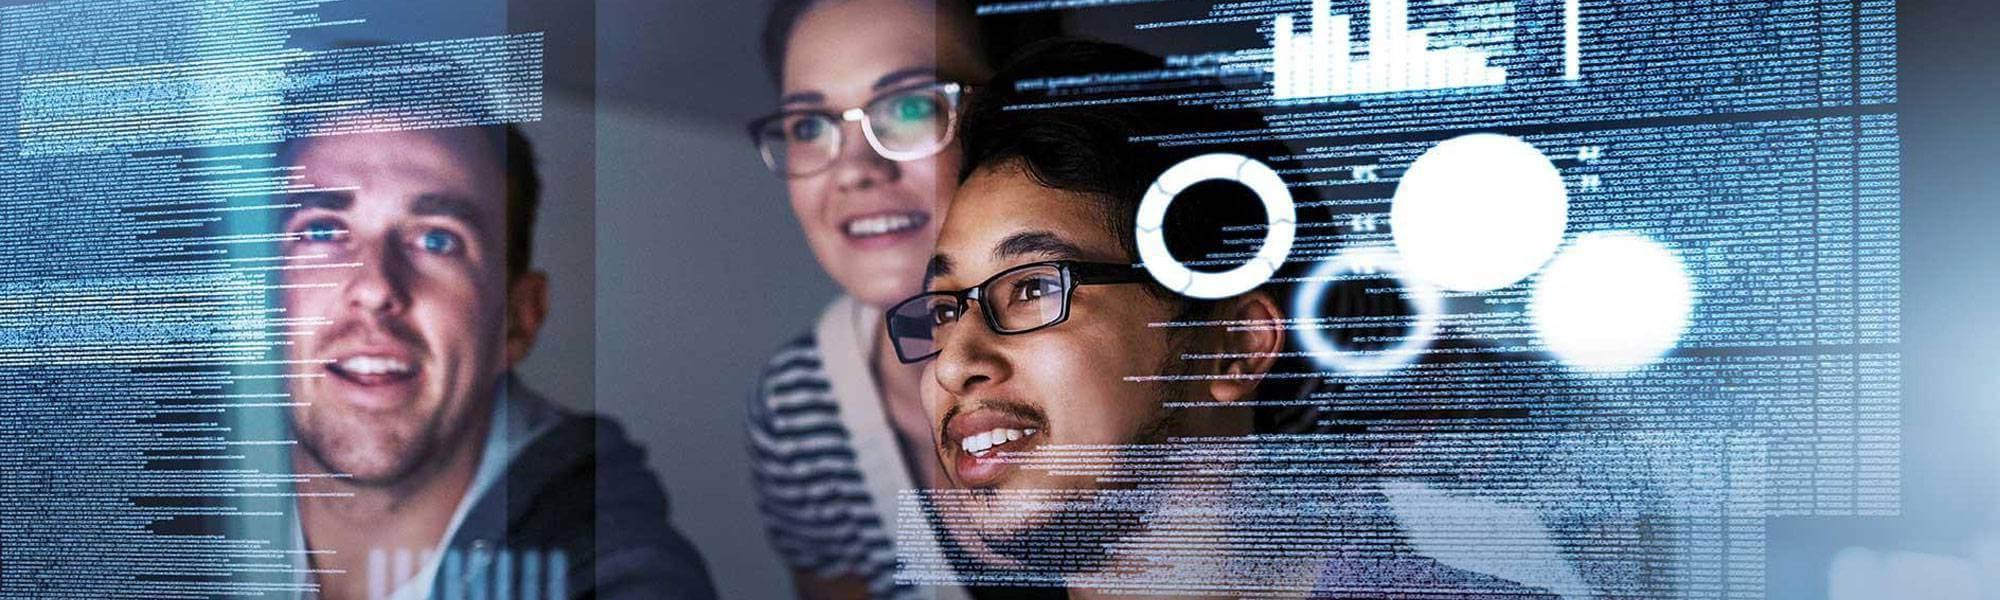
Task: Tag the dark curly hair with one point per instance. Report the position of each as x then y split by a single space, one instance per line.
1088 147
1098 145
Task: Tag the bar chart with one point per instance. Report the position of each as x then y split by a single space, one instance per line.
1322 62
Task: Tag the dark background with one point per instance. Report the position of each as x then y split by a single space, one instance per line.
701 270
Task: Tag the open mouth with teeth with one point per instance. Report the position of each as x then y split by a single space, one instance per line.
372 369
980 440
983 445
882 225
373 380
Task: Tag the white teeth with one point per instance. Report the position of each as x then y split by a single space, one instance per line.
881 224
374 365
982 443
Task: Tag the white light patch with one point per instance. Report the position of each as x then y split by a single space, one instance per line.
1612 302
1478 212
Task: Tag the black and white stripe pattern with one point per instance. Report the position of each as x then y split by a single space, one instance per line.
816 506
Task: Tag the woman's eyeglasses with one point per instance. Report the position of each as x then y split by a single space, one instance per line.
1019 300
902 124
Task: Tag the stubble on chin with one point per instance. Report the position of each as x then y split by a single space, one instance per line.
364 453
1074 530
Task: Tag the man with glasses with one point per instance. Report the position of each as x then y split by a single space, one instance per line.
1060 378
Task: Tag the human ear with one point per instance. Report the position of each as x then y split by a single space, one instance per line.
527 308
1249 344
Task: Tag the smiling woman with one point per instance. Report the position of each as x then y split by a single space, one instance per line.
863 136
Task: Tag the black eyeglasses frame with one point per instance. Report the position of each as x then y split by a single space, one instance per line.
1075 273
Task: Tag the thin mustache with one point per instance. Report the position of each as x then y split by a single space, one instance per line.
361 330
1015 408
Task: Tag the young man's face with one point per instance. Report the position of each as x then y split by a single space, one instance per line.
397 274
1060 385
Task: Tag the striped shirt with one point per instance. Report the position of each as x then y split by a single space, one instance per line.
827 468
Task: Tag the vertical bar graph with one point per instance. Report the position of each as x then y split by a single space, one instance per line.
1323 62
1572 40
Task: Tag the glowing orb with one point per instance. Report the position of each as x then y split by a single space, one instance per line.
1612 302
1478 212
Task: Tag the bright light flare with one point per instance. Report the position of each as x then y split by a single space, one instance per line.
1612 302
1478 212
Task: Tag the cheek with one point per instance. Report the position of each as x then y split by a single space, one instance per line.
809 205
458 310
1080 382
808 200
299 302
931 394
945 167
932 179
311 304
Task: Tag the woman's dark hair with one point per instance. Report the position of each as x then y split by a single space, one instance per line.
998 36
778 32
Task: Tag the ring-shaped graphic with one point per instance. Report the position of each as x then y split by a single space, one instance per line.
1280 216
1367 262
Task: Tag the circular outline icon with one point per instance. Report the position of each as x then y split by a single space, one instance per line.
1279 215
1367 260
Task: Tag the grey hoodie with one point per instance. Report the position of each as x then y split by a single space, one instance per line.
578 501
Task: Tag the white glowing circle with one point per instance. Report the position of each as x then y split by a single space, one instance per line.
1478 212
1364 262
1612 302
1279 216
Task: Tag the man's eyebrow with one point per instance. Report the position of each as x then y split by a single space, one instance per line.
454 207
324 199
940 266
898 76
1036 242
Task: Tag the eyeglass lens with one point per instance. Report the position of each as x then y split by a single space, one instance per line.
1017 301
901 126
910 123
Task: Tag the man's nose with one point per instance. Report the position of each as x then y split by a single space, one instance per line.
857 166
380 283
969 358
